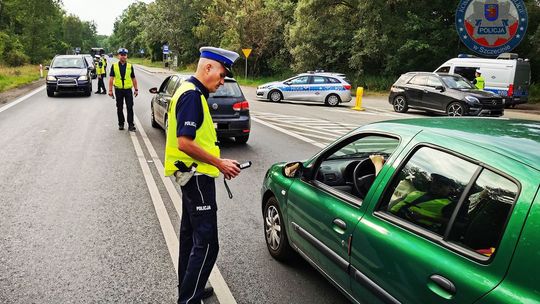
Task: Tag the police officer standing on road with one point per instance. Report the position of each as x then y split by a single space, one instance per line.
100 71
479 81
123 78
191 138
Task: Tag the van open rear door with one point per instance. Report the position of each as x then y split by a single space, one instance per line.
522 80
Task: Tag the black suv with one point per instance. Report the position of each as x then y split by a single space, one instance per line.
69 73
438 92
228 107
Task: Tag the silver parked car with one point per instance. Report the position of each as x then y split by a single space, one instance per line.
330 88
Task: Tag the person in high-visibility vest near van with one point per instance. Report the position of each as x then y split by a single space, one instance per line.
123 79
191 139
479 81
100 71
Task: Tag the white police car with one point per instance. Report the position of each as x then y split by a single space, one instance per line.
331 88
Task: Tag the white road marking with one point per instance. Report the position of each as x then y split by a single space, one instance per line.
302 138
173 193
21 99
221 289
164 221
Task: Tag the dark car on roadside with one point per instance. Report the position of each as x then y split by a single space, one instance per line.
426 210
450 94
69 73
228 107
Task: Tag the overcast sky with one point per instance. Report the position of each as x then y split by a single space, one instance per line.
103 12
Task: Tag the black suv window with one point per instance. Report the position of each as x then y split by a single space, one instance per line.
419 80
428 187
163 86
482 216
434 81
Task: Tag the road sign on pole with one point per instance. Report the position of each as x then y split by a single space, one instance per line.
165 49
246 53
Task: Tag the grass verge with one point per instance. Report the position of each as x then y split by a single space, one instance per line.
12 77
146 62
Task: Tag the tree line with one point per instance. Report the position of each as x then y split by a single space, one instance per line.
34 31
363 38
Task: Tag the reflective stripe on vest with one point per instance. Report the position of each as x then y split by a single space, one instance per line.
431 209
480 83
205 137
126 82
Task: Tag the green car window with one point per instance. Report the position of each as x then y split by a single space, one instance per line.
360 161
480 222
427 189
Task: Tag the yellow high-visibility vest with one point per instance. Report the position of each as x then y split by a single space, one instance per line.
205 137
480 83
126 82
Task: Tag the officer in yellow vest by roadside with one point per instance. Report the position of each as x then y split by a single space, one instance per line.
191 139
123 78
100 71
479 81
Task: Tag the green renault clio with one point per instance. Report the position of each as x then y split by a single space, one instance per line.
442 210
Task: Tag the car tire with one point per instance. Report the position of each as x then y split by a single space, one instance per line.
275 232
332 100
400 104
455 109
153 119
275 96
50 93
241 139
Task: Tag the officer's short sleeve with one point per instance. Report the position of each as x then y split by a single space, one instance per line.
474 81
189 114
132 72
112 71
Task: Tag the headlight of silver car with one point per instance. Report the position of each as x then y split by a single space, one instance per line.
83 77
472 99
51 78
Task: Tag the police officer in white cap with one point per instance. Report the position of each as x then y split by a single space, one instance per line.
191 139
479 81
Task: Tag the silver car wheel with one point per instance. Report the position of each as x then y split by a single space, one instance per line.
399 104
455 109
273 228
332 100
275 96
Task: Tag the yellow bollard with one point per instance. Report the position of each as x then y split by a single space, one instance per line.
358 105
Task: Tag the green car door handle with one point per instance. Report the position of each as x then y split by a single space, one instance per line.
442 286
340 223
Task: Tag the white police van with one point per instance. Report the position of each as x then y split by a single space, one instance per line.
508 75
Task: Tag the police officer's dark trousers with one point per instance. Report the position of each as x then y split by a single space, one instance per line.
198 238
101 84
122 94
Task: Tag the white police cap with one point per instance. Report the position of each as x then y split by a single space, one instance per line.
478 71
225 57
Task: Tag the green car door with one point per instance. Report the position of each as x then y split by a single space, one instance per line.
324 210
443 228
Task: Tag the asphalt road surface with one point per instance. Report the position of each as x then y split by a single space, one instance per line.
86 216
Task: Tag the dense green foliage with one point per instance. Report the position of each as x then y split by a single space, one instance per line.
373 42
36 31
